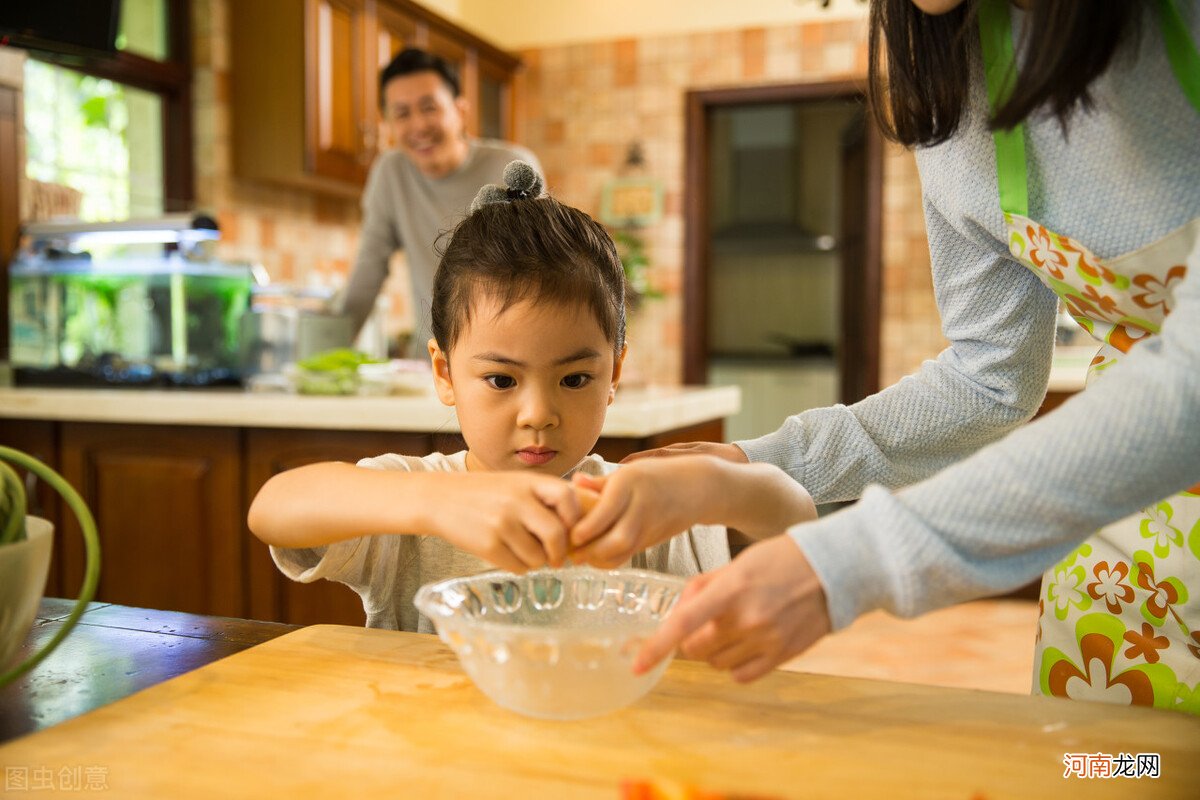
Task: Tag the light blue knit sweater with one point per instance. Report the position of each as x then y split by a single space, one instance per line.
991 502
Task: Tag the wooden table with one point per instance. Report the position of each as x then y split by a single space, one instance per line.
113 652
334 711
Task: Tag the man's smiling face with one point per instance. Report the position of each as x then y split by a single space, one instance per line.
426 121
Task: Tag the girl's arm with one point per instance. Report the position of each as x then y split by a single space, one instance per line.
516 521
320 504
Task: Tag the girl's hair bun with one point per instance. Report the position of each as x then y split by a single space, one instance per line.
521 182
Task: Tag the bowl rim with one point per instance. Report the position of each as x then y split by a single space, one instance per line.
420 599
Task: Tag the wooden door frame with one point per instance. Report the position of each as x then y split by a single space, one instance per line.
699 105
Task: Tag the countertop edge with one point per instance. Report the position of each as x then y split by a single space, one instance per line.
635 412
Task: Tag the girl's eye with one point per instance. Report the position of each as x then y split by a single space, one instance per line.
500 381
577 380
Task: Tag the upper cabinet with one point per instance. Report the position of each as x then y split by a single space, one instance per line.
305 84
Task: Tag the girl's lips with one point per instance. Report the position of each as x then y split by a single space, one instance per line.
536 458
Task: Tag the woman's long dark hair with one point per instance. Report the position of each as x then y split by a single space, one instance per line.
921 65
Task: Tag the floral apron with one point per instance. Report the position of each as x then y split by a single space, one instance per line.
1119 617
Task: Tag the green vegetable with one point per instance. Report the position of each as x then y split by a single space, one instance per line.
334 360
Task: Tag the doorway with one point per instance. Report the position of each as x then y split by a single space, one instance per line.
782 248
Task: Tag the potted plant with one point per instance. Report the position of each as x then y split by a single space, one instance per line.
25 544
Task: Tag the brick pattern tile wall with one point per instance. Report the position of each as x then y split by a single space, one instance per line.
581 106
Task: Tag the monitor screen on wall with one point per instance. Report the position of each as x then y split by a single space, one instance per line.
70 27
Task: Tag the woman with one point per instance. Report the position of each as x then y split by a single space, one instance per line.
1073 176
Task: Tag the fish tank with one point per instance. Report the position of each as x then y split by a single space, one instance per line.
136 303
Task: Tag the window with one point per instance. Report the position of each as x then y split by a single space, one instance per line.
116 131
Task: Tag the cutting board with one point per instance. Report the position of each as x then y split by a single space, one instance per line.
334 711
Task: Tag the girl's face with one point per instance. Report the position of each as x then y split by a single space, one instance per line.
531 384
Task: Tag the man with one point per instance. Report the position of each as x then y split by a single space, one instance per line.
423 187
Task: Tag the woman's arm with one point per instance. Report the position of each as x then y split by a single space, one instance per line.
1000 323
1003 516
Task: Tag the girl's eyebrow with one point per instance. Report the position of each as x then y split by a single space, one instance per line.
583 354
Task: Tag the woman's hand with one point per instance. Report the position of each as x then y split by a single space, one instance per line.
750 616
514 520
729 452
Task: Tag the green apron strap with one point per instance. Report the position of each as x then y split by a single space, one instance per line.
995 33
1181 50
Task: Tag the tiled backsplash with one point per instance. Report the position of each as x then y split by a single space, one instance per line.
580 108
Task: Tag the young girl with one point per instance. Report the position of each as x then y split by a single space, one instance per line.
529 337
1060 162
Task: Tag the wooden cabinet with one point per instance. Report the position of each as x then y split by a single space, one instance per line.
168 507
271 451
337 84
394 31
305 84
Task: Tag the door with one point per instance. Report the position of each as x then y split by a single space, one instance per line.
781 241
167 505
494 101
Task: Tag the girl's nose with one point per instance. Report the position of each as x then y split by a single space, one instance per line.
537 411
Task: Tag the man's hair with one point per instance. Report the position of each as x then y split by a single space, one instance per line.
528 249
412 60
921 65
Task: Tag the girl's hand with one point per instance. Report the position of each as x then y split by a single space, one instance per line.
729 452
640 505
514 520
763 608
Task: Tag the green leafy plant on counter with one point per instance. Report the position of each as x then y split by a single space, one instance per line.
332 372
13 506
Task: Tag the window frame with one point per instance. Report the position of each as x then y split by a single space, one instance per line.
171 80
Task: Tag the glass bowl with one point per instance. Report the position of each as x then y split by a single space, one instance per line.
553 643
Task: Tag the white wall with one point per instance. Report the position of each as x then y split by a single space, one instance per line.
518 24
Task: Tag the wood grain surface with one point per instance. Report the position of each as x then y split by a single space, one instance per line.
333 711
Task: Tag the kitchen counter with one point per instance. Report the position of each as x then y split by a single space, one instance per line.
342 711
635 413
